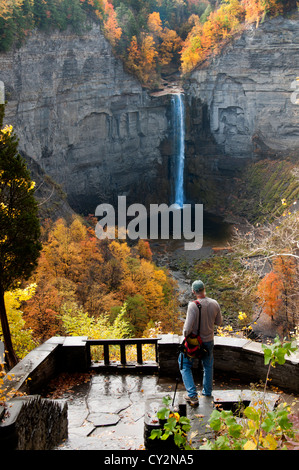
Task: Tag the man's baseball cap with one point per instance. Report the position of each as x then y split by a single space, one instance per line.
198 286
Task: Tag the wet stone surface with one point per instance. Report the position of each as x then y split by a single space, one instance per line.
110 412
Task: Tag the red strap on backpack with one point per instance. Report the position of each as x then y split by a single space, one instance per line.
191 350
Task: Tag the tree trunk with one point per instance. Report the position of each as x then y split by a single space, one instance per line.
10 356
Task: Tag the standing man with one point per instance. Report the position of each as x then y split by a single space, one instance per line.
210 316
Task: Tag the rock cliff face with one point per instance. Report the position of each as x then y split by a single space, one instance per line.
95 131
241 107
84 120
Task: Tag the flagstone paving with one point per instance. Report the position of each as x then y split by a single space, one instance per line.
109 412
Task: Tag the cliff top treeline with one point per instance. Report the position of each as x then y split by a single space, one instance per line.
152 37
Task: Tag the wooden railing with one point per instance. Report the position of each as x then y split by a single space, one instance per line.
122 343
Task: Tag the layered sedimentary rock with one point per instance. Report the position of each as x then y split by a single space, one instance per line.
95 131
83 119
248 90
242 107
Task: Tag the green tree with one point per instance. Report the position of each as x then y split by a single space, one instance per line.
41 14
19 225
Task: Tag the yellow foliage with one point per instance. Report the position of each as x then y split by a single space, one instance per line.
7 7
21 337
119 250
154 23
250 445
5 132
269 442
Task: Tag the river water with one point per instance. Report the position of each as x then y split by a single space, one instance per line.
173 255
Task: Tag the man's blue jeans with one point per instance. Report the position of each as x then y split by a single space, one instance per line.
186 363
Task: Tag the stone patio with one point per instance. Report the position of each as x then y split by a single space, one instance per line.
110 412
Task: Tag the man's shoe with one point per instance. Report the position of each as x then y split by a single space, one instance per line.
193 401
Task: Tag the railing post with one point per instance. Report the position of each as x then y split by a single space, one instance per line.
139 353
106 354
123 360
123 343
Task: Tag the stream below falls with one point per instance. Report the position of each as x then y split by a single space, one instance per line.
172 254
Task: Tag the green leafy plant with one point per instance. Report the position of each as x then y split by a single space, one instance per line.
260 428
255 427
257 430
174 425
19 226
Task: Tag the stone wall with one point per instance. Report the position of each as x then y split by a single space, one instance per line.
32 423
237 357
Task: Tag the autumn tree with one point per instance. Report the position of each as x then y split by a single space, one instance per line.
155 24
278 293
148 55
19 225
167 41
269 294
111 28
142 57
254 11
23 338
170 46
134 57
144 249
222 23
206 38
69 268
79 273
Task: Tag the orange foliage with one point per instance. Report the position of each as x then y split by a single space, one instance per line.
221 24
144 249
154 48
133 58
269 293
287 268
41 312
7 7
148 51
171 43
111 29
77 270
203 39
277 291
154 23
254 10
142 58
167 40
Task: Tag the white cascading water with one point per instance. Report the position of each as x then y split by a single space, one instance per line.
178 113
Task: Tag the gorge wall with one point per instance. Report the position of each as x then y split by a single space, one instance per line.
94 130
84 120
240 109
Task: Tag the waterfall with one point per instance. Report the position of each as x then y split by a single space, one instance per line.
178 113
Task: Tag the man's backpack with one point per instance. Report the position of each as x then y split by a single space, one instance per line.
192 346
